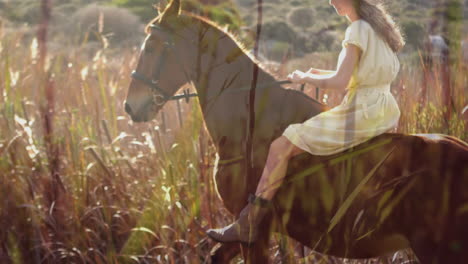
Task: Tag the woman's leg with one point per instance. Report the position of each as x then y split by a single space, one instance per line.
281 150
245 228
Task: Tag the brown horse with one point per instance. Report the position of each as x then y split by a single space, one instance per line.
392 192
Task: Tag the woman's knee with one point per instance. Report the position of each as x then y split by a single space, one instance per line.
282 147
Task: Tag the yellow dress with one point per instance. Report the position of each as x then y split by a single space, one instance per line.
368 109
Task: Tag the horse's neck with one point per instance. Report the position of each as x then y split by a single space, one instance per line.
216 73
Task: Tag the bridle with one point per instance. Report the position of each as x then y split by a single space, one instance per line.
153 83
158 92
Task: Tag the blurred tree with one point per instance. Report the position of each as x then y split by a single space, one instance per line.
415 33
142 8
220 11
119 26
301 17
452 30
453 27
29 11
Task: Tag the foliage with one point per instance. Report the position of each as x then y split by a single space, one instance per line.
414 33
278 30
302 17
142 8
453 28
116 24
28 11
224 13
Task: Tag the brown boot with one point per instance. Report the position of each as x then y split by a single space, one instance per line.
245 228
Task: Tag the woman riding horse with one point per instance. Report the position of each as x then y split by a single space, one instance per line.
367 110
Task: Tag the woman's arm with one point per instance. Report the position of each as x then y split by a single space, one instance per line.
320 71
337 79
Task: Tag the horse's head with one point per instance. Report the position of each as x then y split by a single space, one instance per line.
159 72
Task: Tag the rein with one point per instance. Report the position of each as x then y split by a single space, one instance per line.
153 84
187 95
158 92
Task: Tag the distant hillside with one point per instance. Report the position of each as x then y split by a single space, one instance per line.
305 26
289 26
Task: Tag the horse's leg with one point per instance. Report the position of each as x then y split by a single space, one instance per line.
452 243
258 252
423 247
224 252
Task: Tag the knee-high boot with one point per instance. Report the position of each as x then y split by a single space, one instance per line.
245 228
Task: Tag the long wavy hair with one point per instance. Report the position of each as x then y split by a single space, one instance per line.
375 13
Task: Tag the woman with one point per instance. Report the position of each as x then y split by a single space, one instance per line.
366 67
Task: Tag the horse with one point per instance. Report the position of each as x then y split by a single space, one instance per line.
392 192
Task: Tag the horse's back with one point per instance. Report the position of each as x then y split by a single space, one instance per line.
419 172
439 200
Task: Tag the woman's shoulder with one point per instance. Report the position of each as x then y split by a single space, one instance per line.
359 24
359 30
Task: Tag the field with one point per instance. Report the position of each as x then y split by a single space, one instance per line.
80 182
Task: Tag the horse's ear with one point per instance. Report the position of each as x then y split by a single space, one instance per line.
172 10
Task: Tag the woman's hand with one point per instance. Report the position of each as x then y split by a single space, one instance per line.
297 76
313 71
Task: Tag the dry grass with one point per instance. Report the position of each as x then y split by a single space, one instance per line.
81 183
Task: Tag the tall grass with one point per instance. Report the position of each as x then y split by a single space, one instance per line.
123 192
131 192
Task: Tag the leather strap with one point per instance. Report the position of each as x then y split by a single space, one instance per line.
257 200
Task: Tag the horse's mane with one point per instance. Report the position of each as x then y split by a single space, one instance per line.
224 29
